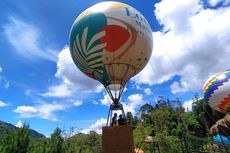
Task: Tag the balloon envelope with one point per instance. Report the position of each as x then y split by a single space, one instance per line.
217 91
111 42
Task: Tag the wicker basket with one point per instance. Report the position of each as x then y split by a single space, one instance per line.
117 139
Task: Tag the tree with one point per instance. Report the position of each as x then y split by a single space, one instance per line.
17 141
162 101
94 142
161 119
56 141
168 144
39 146
205 115
129 116
147 108
86 143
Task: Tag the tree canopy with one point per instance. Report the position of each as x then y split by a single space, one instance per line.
167 122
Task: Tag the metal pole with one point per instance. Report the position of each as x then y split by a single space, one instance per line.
108 117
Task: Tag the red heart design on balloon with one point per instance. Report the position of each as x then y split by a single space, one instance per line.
115 37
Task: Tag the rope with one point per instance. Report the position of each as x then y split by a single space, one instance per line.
166 52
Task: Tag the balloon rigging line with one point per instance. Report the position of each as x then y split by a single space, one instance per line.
123 81
115 94
107 96
166 52
109 92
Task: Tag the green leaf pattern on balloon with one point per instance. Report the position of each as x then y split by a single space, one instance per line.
86 47
88 56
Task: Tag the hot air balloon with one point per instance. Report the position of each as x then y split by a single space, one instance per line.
217 91
111 42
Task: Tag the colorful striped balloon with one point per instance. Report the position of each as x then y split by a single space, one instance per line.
217 91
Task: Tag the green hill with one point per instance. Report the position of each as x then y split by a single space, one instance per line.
7 128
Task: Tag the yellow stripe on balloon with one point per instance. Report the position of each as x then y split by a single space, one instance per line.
99 7
210 82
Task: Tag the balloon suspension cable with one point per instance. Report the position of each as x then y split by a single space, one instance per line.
115 93
116 105
115 99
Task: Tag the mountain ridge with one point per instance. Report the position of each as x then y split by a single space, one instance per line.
8 127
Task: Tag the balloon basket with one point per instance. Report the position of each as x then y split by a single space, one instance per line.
117 139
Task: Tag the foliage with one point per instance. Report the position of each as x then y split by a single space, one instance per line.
173 129
204 113
169 124
55 142
85 143
129 117
168 144
39 146
16 142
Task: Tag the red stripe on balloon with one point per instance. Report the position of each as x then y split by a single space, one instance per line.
211 81
224 104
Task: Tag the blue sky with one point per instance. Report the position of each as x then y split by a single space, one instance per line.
40 85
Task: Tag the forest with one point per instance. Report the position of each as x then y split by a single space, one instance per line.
171 127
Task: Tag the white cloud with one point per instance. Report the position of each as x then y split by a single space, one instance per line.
61 90
26 39
178 87
19 124
26 111
194 44
106 100
72 79
138 86
3 104
97 126
28 92
158 69
95 102
134 102
125 89
188 105
77 103
42 110
148 91
215 2
6 83
47 110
